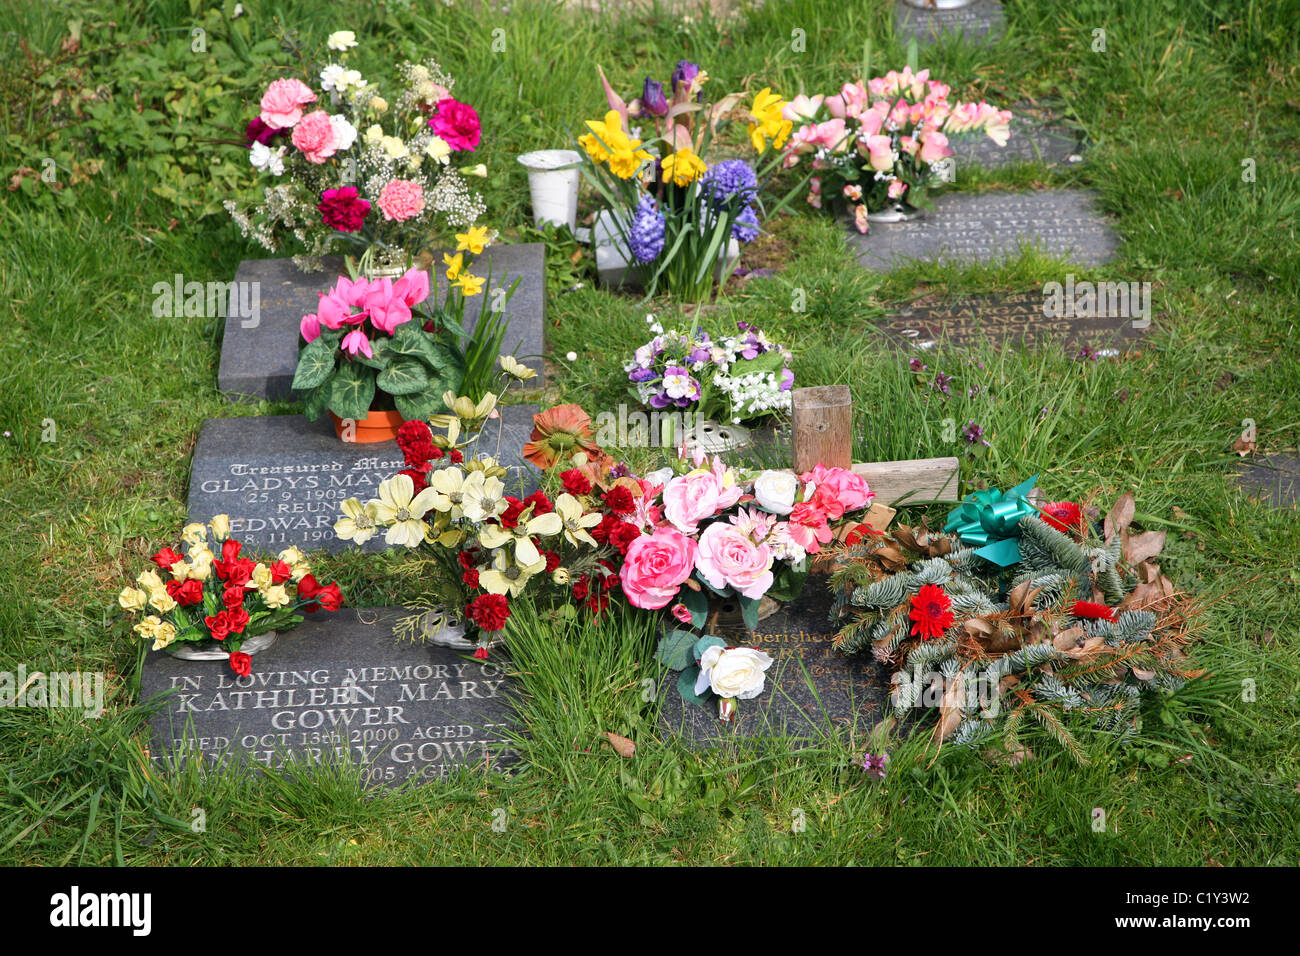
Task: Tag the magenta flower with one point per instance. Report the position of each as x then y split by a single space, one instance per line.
457 123
356 341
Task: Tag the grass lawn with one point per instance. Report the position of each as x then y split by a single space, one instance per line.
1185 93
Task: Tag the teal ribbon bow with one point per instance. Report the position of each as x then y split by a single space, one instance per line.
990 520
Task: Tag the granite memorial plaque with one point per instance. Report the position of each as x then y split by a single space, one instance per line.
986 227
281 478
1007 319
981 22
339 688
259 354
1275 479
1031 140
812 690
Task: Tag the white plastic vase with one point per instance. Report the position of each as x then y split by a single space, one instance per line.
939 4
553 182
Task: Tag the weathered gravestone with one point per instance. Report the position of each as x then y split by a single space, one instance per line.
1275 479
986 227
259 354
281 478
811 691
339 689
980 22
1007 319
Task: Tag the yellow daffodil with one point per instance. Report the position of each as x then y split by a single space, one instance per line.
469 284
275 596
575 522
594 142
507 576
522 534
163 635
624 163
481 497
516 369
608 142
768 121
358 521
684 167
261 577
454 264
475 240
400 507
220 525
161 601
132 599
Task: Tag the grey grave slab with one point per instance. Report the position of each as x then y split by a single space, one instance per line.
1032 139
991 226
1274 479
812 690
981 22
281 478
339 687
1007 319
258 358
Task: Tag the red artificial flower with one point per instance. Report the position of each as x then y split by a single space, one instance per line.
611 579
619 500
166 558
605 528
575 482
456 456
241 663
552 560
308 586
457 123
541 504
280 572
343 209
185 593
514 508
238 573
218 626
1064 516
230 549
596 603
682 613
859 532
466 560
330 597
481 654
489 611
1093 611
237 618
930 612
624 535
580 588
414 432
258 132
233 597
470 578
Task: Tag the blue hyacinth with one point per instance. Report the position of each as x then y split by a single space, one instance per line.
745 226
730 178
646 237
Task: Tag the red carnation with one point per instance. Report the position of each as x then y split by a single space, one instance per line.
596 603
413 432
259 132
611 579
218 626
185 593
489 611
280 572
552 560
541 504
1063 516
343 209
418 482
456 456
241 663
1092 610
930 612
466 560
166 558
624 535
605 528
575 482
619 500
470 578
580 588
481 654
510 517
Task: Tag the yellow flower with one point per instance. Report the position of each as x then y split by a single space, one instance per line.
454 264
438 149
132 599
378 104
149 626
481 497
684 167
470 284
474 240
161 600
291 556
526 553
575 522
594 142
195 534
465 409
624 163
220 527
358 521
447 485
163 635
399 507
560 576
394 148
149 580
768 123
373 135
275 596
479 170
607 141
200 563
261 576
509 577
516 369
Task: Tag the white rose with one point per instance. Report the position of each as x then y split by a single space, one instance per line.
775 491
345 134
341 40
733 672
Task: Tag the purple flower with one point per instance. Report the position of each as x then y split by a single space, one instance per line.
259 132
639 375
621 470
698 355
874 765
916 365
787 379
1086 353
746 327
660 401
653 102
684 72
973 433
646 236
731 178
745 226
974 390
941 382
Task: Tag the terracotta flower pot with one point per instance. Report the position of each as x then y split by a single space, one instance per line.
375 427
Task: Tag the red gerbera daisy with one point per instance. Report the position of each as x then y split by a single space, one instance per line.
1092 610
930 612
1063 516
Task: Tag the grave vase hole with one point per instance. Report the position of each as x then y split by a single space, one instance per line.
378 426
553 184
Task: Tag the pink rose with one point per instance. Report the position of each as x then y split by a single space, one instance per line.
881 153
655 567
838 490
283 101
457 123
401 199
934 147
727 557
690 499
682 613
314 136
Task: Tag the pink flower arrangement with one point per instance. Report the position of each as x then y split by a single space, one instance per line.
401 199
283 101
457 124
382 303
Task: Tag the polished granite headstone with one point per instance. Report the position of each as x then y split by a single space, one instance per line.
981 22
1007 319
1274 479
281 478
258 356
811 691
991 226
339 689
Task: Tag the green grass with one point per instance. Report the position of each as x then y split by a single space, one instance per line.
1185 92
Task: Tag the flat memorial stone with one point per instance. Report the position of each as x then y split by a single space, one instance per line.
259 353
986 227
1031 140
981 22
281 478
811 690
1006 319
1275 479
339 687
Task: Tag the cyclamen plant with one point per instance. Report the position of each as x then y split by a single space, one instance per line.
360 173
880 145
737 378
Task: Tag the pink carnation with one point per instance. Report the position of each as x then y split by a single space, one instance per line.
838 490
283 101
401 199
727 557
457 123
655 567
314 136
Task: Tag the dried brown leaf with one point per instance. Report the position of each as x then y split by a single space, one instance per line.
622 746
1121 516
1139 547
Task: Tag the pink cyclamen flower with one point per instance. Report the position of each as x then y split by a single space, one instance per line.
309 327
457 123
314 136
655 567
283 101
387 310
356 341
727 557
401 199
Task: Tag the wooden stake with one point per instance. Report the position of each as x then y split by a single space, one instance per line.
823 427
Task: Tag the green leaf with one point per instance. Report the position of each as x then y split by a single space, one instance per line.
316 401
748 611
704 643
352 389
315 364
686 686
405 376
674 649
697 602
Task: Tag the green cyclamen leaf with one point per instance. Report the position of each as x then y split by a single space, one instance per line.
352 389
315 364
405 376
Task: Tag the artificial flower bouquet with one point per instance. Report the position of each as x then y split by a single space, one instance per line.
1017 610
879 147
223 598
675 209
737 378
349 169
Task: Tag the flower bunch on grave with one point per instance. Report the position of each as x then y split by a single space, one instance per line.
222 596
1017 614
481 548
352 169
674 207
886 143
737 378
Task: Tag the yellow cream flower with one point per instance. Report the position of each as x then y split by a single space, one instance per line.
684 167
358 521
220 527
438 149
465 409
575 522
378 104
509 577
394 148
373 135
560 576
261 577
149 626
161 601
481 497
447 485
200 563
516 369
526 553
163 635
195 534
400 507
132 599
474 240
149 580
275 596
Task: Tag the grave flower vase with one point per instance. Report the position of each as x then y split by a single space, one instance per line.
553 182
214 651
938 4
378 426
724 612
